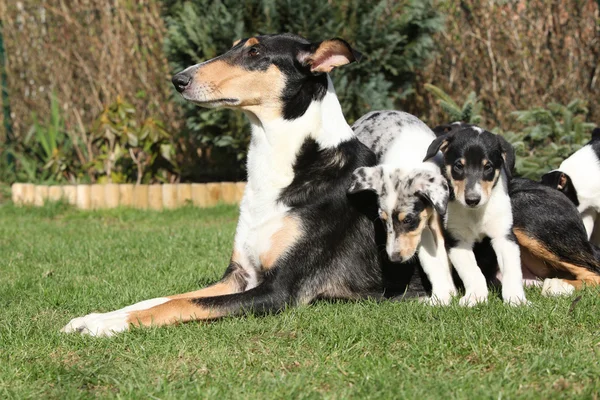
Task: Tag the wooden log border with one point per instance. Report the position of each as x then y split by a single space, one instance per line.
154 197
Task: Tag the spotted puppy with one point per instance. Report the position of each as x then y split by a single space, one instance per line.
412 194
478 167
578 177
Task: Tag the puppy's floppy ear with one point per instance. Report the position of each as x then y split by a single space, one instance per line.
439 144
596 133
508 155
366 178
556 180
324 56
447 128
433 188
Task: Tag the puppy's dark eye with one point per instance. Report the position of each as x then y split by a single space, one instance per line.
409 219
383 215
488 167
253 52
458 166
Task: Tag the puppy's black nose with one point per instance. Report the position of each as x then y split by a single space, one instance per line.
472 200
395 257
181 81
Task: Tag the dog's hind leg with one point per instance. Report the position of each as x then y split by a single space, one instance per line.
235 280
558 286
263 299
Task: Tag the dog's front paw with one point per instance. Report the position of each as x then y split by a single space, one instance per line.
472 299
436 300
556 287
515 297
98 324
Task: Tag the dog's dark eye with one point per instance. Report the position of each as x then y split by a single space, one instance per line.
409 219
488 167
383 215
458 166
253 52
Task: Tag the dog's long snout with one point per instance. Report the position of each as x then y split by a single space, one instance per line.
472 200
181 81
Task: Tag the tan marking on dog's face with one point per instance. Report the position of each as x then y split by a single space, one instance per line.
281 241
220 84
457 185
409 241
487 187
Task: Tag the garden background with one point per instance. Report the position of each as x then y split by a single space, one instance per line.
87 95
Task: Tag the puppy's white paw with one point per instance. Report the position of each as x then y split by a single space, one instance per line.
556 287
98 324
472 299
516 300
514 297
437 300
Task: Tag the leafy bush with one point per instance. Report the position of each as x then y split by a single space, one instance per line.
395 36
119 148
550 133
469 112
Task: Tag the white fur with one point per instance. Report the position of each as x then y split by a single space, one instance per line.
583 167
494 220
271 158
556 287
273 150
107 324
405 153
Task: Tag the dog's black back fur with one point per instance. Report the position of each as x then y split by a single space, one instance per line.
549 217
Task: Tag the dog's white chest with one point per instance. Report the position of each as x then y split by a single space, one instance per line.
492 220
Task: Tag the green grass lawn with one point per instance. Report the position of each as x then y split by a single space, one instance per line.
57 263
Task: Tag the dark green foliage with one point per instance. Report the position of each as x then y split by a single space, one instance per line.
394 36
551 134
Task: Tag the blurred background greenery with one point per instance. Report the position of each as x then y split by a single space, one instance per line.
88 95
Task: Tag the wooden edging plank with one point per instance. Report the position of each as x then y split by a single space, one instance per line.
154 197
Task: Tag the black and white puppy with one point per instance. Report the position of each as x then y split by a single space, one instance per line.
578 177
412 194
478 167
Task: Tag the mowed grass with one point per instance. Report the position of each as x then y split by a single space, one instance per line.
58 263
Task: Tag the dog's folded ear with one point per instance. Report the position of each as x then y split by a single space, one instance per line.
439 144
366 178
433 189
508 155
447 128
596 133
329 54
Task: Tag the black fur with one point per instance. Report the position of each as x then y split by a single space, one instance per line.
549 217
344 243
553 179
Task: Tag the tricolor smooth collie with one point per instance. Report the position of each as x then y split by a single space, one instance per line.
300 236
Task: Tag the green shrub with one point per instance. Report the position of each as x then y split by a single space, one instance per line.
118 148
550 134
395 37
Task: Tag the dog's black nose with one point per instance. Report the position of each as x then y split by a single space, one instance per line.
395 257
181 81
472 200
